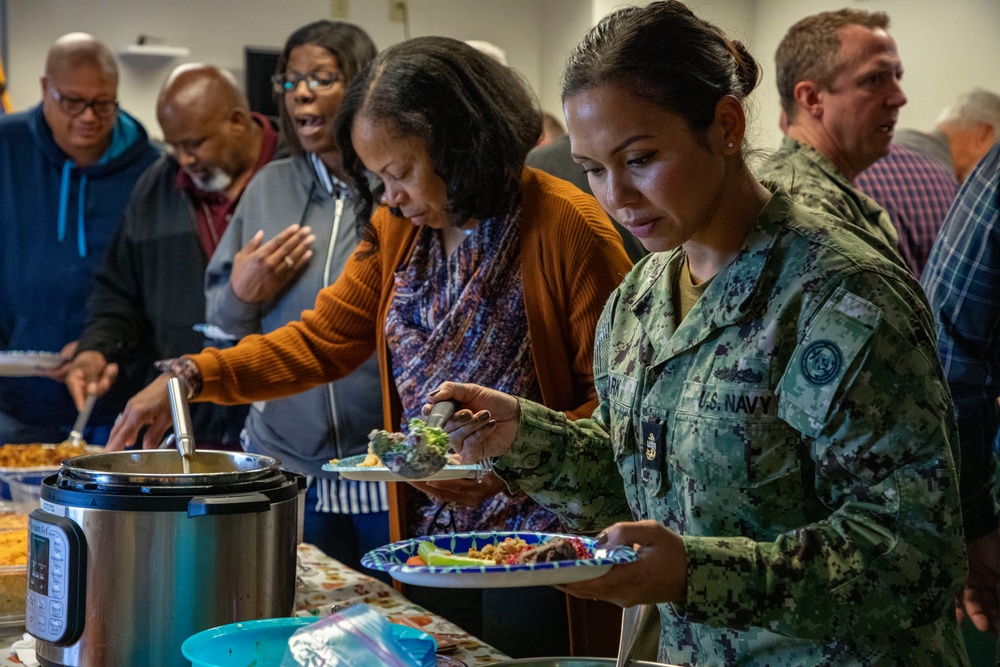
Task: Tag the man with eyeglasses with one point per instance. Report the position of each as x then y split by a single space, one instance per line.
151 285
67 168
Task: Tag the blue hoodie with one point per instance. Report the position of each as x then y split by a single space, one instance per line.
56 220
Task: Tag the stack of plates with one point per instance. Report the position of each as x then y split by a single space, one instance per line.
14 363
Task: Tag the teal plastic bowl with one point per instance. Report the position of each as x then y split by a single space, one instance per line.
260 643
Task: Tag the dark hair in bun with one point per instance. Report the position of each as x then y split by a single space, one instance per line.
665 54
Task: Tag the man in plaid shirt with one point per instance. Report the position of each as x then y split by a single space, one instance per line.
962 280
916 192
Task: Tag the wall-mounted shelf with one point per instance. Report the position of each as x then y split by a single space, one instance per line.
155 51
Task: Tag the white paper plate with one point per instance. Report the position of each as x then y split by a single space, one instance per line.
392 559
349 469
25 363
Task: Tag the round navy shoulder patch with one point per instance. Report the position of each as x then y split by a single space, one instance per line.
821 362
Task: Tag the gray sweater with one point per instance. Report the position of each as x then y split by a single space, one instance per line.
305 430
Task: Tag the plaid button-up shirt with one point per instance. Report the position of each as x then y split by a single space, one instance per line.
962 280
917 192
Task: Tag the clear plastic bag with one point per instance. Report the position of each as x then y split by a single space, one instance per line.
358 637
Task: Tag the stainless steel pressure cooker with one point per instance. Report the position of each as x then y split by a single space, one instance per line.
133 552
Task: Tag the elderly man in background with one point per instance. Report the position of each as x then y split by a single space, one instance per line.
965 131
67 167
838 79
917 181
151 286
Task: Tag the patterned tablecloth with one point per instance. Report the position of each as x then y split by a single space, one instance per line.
324 582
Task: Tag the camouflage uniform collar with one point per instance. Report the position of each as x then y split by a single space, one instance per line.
822 162
648 291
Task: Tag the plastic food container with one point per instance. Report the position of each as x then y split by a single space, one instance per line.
13 568
260 643
51 467
26 488
13 589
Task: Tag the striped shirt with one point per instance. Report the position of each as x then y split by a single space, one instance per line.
341 496
962 280
917 192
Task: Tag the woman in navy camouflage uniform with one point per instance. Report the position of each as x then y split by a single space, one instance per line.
769 389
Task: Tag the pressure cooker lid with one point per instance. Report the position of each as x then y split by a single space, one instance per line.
167 468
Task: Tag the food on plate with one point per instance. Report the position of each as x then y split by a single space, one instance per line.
555 549
422 440
38 455
432 554
412 445
501 551
370 460
512 551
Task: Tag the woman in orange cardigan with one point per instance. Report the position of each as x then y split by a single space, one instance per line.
477 268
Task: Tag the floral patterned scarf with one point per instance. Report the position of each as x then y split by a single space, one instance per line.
462 318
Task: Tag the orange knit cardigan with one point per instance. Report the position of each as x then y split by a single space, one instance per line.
571 260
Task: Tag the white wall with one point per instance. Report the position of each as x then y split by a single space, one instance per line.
217 30
947 47
563 24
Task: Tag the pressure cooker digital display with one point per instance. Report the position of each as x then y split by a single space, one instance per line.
57 553
38 577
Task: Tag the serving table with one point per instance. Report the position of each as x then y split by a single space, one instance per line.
324 583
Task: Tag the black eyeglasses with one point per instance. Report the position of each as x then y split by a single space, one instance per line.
286 83
74 106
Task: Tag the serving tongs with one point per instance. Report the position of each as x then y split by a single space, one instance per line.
420 460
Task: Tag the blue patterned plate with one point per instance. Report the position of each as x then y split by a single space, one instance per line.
24 363
392 559
348 468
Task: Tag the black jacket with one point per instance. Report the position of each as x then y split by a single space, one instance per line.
150 292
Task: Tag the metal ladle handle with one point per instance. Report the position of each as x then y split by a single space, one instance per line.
183 434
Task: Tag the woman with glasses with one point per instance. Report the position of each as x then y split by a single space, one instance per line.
289 238
774 430
475 267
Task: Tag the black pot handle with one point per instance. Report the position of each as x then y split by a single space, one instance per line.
243 503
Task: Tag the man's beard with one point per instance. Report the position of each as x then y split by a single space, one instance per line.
219 181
